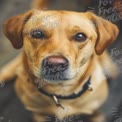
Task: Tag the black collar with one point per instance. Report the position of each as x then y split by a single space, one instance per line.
86 86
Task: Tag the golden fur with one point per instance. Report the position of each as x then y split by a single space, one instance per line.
87 58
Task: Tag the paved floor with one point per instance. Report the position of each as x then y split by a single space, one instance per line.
10 109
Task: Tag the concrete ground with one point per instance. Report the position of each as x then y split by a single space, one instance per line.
9 110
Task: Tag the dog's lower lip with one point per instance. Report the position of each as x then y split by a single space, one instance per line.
54 76
67 85
50 79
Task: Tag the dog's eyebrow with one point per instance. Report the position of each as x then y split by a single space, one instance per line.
76 29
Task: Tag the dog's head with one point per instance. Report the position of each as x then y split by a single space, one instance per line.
59 44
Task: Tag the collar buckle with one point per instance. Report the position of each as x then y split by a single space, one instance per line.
57 102
90 87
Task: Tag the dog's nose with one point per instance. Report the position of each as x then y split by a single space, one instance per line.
55 61
54 68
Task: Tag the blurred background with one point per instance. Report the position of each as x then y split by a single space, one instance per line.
11 110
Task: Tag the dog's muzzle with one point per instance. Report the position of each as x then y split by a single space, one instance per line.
54 68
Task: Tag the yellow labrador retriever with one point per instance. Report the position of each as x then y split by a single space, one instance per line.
63 65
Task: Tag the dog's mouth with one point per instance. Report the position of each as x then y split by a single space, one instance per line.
54 73
54 77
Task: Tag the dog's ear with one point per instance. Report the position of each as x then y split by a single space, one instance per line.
106 31
13 28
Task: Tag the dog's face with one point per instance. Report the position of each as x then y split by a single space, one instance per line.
59 44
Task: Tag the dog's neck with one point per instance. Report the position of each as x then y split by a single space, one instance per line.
74 91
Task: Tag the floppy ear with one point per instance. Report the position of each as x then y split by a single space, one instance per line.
13 29
107 32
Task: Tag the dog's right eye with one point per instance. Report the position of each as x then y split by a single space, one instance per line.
80 37
37 34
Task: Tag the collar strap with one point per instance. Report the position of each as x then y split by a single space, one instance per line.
87 86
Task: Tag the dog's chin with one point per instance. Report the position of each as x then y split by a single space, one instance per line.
54 79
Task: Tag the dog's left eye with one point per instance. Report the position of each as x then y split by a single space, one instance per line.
37 34
80 37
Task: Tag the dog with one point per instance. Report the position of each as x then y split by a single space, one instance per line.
64 64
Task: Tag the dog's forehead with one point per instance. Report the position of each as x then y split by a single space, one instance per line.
59 19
